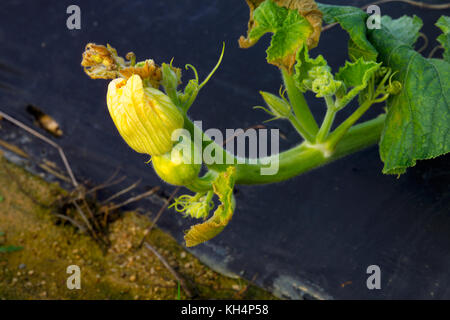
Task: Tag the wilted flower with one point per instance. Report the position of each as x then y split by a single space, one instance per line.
101 62
147 70
145 117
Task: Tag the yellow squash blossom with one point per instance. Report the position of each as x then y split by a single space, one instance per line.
145 117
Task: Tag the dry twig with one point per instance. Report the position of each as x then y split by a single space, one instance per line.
45 139
118 194
171 270
160 212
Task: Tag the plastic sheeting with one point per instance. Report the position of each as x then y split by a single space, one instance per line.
312 236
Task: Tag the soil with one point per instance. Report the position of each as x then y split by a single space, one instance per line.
48 246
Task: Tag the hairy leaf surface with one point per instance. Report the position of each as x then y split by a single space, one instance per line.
356 77
444 39
418 121
290 32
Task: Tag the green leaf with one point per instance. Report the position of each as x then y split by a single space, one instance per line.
1 198
356 77
405 29
171 78
352 20
304 65
9 249
444 39
290 32
223 188
418 120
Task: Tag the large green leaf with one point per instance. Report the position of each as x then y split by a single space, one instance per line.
418 121
444 24
223 188
405 29
352 20
290 32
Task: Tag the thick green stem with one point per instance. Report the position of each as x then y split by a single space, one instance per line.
203 184
307 157
299 105
297 160
300 129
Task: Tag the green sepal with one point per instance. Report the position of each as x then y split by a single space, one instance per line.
171 78
187 97
279 107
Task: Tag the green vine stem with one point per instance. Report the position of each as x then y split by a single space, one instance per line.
299 159
300 129
340 131
203 184
299 105
328 120
306 157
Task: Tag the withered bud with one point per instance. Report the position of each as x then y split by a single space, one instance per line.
101 62
148 71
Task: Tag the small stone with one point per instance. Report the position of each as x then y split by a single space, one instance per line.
133 278
31 272
22 266
183 255
236 287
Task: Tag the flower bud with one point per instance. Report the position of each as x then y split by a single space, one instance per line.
178 166
321 82
145 117
279 108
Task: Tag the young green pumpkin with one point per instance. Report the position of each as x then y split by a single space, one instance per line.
178 166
